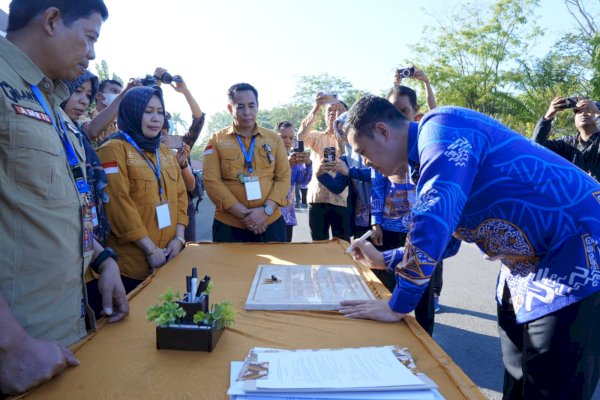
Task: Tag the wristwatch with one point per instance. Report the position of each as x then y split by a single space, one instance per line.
106 253
268 209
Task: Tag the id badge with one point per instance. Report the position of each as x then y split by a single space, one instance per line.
88 227
163 215
252 185
95 220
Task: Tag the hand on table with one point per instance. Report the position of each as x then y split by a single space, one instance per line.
114 298
377 310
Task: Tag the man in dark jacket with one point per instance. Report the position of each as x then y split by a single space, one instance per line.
582 149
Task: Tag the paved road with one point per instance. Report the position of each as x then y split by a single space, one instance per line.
466 324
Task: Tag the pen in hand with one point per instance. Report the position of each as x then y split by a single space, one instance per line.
364 237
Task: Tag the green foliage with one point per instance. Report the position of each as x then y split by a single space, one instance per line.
218 121
177 121
168 312
222 315
595 62
103 72
209 288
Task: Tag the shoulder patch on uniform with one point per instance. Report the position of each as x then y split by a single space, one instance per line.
28 112
208 150
111 167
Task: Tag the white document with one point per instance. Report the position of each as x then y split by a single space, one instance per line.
306 287
335 369
236 392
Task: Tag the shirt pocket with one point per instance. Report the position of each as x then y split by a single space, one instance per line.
170 180
231 165
40 167
263 164
143 187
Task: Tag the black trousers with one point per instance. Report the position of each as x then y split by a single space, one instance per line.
322 216
289 233
223 233
190 229
424 312
556 356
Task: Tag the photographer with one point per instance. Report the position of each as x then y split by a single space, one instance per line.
193 182
415 73
582 149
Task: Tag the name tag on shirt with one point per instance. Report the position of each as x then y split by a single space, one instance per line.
163 215
252 185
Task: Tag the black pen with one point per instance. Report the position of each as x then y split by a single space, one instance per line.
188 286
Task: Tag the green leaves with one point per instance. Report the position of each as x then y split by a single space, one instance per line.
168 312
222 315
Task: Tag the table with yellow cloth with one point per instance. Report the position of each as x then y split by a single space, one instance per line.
120 361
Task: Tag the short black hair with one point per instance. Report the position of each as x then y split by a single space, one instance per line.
369 110
283 124
109 82
21 12
400 90
240 87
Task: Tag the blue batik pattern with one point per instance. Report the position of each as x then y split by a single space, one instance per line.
520 203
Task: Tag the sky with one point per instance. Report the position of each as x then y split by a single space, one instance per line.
270 43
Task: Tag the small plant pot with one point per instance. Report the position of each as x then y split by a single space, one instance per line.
187 337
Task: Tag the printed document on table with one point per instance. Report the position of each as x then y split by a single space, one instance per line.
236 392
367 368
306 287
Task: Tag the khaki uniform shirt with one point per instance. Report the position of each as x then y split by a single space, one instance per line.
133 192
41 230
317 192
224 163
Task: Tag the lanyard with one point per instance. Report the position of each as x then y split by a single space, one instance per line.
247 156
74 164
156 169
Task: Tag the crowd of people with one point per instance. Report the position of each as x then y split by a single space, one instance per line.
97 194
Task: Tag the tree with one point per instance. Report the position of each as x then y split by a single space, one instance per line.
176 120
309 85
103 72
469 57
218 121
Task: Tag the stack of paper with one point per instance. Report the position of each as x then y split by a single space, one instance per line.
344 374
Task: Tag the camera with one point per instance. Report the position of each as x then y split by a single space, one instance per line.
405 72
148 80
299 147
168 78
570 102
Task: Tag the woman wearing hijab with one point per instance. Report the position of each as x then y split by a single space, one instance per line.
82 93
148 200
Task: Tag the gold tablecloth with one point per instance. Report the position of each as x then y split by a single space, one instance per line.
120 361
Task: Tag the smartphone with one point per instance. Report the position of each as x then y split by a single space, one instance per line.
405 72
330 98
570 102
299 147
329 154
172 141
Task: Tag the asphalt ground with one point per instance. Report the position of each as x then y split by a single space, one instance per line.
465 326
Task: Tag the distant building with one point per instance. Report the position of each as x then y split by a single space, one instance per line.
3 22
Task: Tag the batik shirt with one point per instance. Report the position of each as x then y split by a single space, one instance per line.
301 175
391 202
519 202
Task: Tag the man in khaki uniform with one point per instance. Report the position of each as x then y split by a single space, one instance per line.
246 175
42 188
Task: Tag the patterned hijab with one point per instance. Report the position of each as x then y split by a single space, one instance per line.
131 111
74 84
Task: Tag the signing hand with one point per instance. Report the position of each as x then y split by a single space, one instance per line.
377 310
366 253
114 298
29 362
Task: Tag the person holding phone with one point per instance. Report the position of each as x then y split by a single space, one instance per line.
301 166
148 201
327 210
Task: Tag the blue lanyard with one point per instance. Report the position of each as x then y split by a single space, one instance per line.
74 164
247 156
156 169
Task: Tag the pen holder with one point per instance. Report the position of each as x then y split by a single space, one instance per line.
186 335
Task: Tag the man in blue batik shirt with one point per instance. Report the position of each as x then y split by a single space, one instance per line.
520 203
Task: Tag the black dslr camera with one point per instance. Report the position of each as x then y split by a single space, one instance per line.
148 80
570 102
168 78
405 72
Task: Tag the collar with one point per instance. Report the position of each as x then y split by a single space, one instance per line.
29 71
412 143
256 131
592 138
